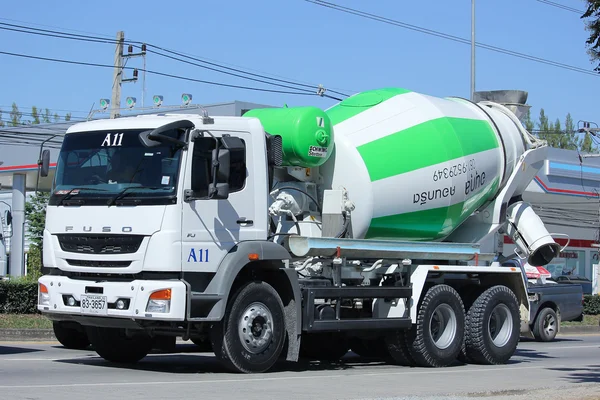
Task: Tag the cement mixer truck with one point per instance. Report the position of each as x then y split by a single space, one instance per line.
292 233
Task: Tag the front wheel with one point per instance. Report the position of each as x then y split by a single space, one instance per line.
546 325
70 336
252 334
493 327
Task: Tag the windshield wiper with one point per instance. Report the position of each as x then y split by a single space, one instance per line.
125 192
69 194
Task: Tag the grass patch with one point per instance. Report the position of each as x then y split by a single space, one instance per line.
587 320
24 321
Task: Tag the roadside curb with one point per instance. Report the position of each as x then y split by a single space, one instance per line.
33 335
574 330
21 335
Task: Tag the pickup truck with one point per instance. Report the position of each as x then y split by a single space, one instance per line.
550 304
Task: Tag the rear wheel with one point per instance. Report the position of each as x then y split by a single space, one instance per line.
493 327
546 325
70 335
252 334
397 348
437 337
114 345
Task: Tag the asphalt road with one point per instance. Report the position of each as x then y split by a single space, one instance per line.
567 369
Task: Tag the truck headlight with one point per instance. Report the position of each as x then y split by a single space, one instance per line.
159 302
43 295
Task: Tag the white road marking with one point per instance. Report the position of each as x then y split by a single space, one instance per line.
281 378
569 347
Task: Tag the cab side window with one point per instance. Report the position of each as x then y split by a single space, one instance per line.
202 171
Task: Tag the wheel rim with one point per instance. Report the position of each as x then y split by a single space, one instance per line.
549 325
255 327
442 326
500 325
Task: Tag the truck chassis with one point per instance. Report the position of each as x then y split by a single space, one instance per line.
416 304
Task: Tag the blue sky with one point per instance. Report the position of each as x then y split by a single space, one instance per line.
304 42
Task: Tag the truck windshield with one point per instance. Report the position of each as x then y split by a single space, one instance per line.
95 167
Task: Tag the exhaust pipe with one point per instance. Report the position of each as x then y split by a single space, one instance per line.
528 232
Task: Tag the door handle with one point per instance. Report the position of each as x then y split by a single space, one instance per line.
245 222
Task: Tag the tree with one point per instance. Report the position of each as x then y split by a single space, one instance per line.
68 117
529 125
35 213
56 117
35 115
15 115
556 136
592 25
587 146
46 116
1 122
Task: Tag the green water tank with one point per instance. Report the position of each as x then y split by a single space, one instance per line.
306 133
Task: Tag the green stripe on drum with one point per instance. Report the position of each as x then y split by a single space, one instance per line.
419 225
426 144
358 103
430 224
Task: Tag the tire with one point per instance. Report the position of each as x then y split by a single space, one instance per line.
238 347
437 337
545 326
397 348
493 327
113 345
70 338
327 346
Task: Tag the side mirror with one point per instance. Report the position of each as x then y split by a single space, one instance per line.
221 163
45 163
211 167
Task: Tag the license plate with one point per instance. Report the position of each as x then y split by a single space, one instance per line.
93 304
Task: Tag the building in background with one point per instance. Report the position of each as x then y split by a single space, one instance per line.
565 195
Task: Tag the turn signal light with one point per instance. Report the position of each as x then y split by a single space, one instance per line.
164 294
43 295
253 257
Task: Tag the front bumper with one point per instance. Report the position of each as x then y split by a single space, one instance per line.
137 292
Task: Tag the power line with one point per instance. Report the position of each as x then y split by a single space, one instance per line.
56 27
233 69
442 35
106 41
562 6
223 72
97 39
89 64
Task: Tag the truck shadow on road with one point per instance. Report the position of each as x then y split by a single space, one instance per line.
588 374
9 350
528 355
188 361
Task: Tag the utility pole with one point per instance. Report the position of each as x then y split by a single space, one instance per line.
117 76
472 49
